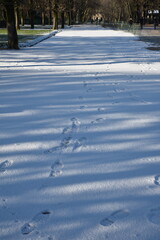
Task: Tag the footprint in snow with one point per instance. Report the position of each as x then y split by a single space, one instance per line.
119 90
115 83
89 89
9 210
85 84
115 216
154 216
157 180
50 238
82 107
98 120
75 124
56 169
4 165
143 101
79 144
101 109
65 142
80 98
67 130
96 73
115 102
33 224
54 149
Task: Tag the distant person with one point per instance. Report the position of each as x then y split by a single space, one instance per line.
130 22
100 20
155 22
141 22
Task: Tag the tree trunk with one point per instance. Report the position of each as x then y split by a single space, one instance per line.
55 15
11 28
22 18
72 18
17 17
50 17
69 18
141 10
62 20
31 13
55 19
32 19
72 12
43 18
80 16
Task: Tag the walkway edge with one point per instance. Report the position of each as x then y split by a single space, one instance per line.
39 39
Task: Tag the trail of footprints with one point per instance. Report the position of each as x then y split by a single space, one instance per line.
57 168
66 142
154 214
43 216
153 217
67 139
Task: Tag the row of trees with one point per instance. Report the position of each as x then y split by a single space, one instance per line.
122 10
16 12
55 12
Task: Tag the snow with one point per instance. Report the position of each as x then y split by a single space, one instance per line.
39 39
80 138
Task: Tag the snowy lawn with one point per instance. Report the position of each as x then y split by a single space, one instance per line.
26 36
80 138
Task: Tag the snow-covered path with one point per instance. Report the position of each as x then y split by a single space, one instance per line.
80 138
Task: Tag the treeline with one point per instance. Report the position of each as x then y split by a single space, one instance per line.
16 13
50 12
122 10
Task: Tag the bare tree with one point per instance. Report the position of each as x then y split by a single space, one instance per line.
9 6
